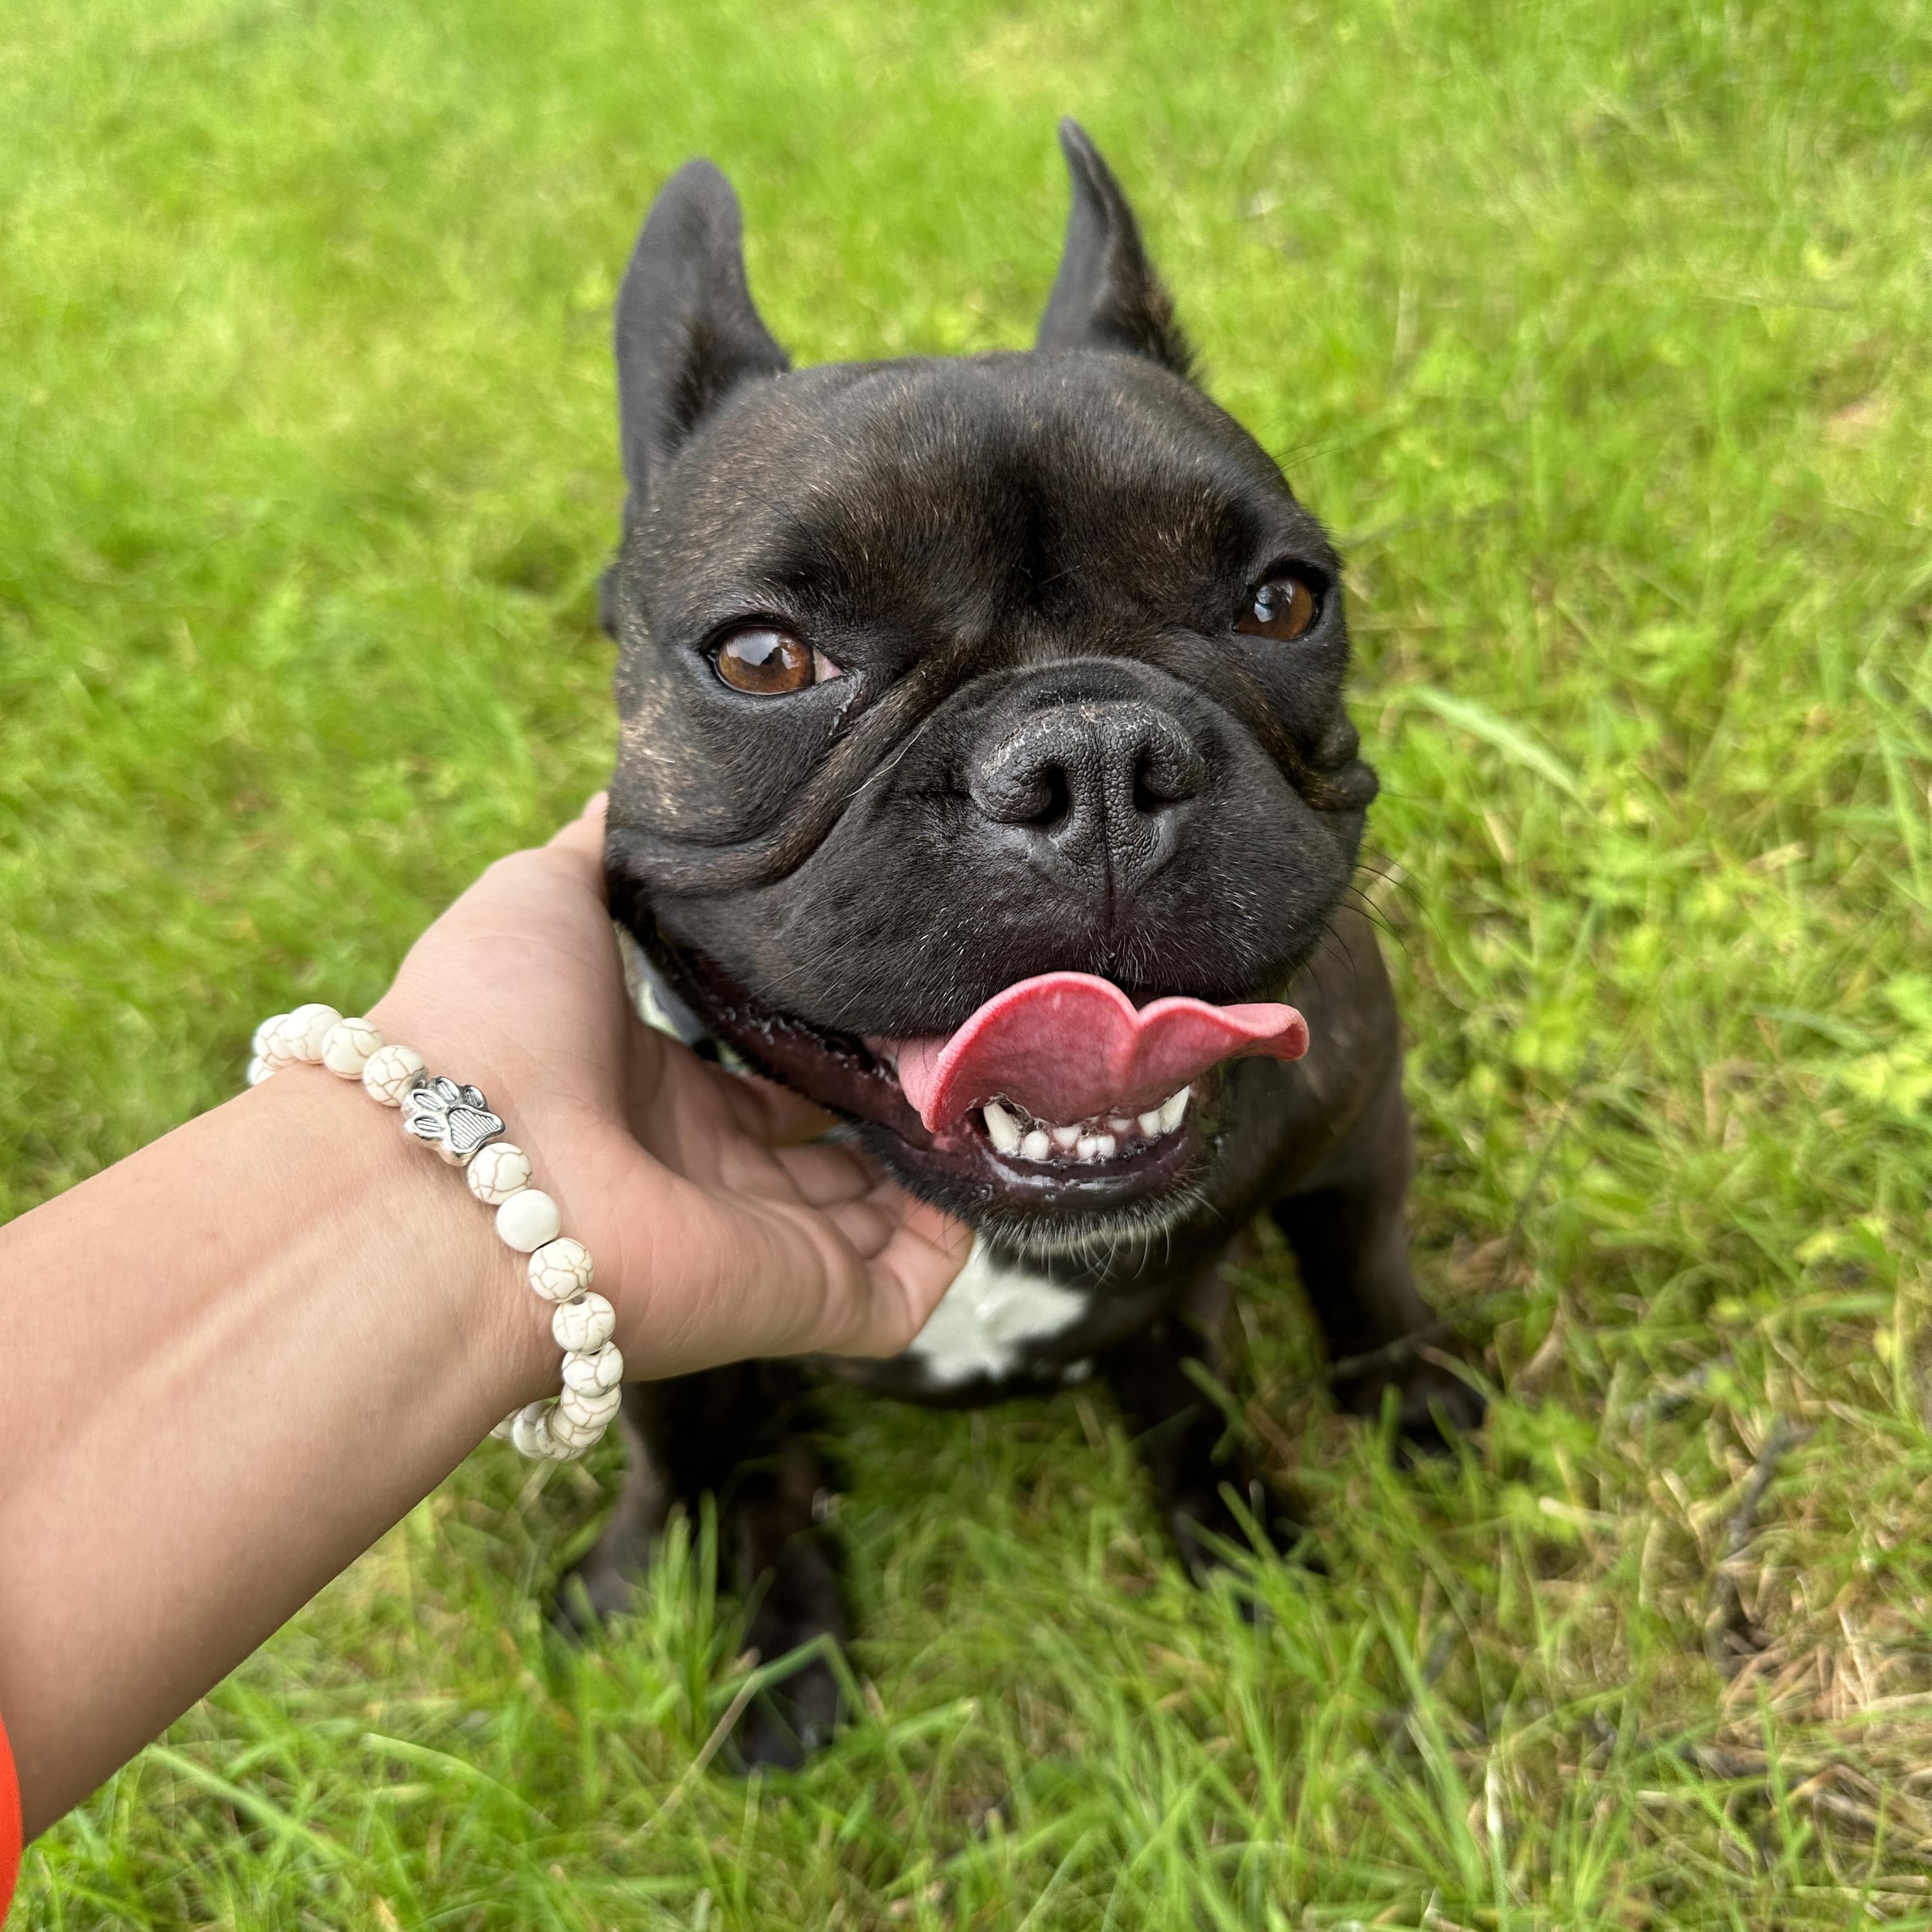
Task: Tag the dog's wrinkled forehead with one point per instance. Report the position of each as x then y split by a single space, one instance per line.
964 494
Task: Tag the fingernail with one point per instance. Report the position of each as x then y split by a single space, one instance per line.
595 803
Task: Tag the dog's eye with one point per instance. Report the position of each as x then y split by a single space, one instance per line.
770 663
1282 609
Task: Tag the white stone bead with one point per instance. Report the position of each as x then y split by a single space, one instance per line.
501 1433
497 1171
559 1270
588 1412
591 1374
390 1072
528 1218
583 1326
529 1429
259 1070
309 1026
593 1401
577 1435
346 1050
278 1041
534 1431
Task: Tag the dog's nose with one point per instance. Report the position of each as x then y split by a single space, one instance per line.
1093 782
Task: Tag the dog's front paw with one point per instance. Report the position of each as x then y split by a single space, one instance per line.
604 1585
792 1719
1433 1405
1208 1532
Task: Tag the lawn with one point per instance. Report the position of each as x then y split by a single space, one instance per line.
1601 334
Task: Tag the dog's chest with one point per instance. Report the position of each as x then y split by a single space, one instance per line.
992 1319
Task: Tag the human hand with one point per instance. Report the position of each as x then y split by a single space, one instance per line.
715 1235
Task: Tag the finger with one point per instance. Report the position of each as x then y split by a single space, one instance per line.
922 1258
769 1112
928 1229
583 838
826 1176
864 1225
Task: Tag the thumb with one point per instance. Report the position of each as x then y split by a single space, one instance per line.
580 843
584 834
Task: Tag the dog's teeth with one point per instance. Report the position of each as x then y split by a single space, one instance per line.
1149 1124
1107 1146
1065 1139
1120 1127
1173 1110
1088 1146
1001 1128
1036 1146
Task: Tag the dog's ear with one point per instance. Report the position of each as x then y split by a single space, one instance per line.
1107 295
687 333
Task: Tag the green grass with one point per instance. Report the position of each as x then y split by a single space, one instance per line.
1599 332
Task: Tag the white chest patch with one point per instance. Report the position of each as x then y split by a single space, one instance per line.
989 1316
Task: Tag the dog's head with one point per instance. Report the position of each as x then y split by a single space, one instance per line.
969 706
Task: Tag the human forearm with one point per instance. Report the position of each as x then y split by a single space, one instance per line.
228 1364
256 1345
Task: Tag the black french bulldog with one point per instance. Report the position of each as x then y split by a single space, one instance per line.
984 775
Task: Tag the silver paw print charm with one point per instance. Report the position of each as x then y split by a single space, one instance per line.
454 1120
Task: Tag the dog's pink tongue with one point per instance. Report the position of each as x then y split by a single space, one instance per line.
1067 1046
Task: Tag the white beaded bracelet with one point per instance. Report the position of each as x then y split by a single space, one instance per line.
455 1121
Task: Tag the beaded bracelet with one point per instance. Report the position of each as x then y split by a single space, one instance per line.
455 1121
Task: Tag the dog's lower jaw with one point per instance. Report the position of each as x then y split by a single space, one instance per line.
1121 1239
1064 1209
